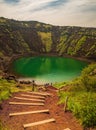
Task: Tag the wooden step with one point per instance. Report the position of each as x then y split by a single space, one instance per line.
22 103
40 93
39 123
29 112
67 129
26 95
38 100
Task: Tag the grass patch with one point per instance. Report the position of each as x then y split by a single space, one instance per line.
82 97
9 87
60 85
2 127
6 89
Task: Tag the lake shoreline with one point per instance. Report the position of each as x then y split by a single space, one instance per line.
9 60
47 68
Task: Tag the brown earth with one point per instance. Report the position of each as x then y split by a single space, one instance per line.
63 120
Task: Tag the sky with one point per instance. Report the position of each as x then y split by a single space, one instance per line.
55 12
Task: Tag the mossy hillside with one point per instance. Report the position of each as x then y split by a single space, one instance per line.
2 20
82 96
46 40
76 45
61 47
22 37
13 42
78 42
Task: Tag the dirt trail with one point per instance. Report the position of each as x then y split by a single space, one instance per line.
63 120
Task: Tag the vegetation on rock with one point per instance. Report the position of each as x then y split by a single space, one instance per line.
21 37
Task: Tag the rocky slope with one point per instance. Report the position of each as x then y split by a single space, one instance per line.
25 37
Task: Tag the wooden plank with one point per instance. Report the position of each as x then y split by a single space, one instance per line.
22 103
37 93
38 100
26 95
29 112
67 129
39 123
66 103
40 93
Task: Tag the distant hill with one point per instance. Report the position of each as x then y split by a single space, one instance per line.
23 37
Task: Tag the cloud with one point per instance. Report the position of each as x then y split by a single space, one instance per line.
58 12
89 7
11 1
56 3
50 4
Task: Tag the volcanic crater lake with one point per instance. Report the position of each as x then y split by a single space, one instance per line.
48 69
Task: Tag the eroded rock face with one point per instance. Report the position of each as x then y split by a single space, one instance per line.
21 37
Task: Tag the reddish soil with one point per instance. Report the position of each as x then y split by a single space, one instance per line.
63 120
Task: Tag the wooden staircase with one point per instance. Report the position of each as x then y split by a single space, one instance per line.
39 100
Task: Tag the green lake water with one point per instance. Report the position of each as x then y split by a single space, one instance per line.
48 69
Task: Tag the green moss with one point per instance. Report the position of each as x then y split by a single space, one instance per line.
6 89
5 95
25 24
80 43
59 85
38 25
93 47
62 46
2 20
47 26
46 39
9 87
1 54
71 51
75 45
24 47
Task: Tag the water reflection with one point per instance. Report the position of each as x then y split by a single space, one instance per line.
48 68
